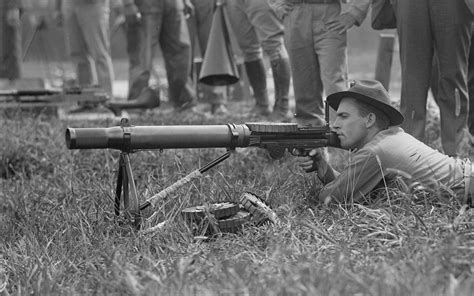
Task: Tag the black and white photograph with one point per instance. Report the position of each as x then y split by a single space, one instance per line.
237 147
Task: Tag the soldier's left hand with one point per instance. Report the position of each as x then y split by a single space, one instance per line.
343 23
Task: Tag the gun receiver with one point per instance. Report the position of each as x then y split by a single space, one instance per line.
276 137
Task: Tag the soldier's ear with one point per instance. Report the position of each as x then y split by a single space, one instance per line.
370 120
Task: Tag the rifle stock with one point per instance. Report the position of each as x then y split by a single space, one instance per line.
276 137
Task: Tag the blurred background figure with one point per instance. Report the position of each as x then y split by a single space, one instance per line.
10 39
86 28
440 31
150 23
257 27
470 86
316 39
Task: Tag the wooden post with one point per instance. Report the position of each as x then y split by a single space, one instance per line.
384 59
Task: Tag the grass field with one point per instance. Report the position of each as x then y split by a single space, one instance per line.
59 234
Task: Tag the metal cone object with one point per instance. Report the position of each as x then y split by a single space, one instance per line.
219 66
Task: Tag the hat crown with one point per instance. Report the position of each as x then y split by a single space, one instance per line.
371 92
371 88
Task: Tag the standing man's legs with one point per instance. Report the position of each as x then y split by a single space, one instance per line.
470 83
305 68
176 46
142 39
270 33
253 58
452 34
10 48
94 22
416 56
331 50
76 46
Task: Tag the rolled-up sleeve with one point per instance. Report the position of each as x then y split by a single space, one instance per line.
359 9
361 175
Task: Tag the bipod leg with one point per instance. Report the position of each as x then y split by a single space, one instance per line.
118 189
130 200
126 185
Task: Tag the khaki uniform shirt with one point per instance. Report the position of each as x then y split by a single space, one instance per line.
391 153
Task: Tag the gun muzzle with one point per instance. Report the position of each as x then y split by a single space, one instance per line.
159 137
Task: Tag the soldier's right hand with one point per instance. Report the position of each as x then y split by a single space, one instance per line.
315 161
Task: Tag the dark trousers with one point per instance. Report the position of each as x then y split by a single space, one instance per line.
168 29
10 49
440 29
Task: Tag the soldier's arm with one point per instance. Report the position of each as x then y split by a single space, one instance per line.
362 175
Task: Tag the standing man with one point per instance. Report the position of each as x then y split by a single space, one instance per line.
316 38
88 40
257 27
163 23
10 39
439 29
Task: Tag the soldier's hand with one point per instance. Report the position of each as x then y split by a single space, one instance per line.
316 160
343 23
13 17
280 7
132 14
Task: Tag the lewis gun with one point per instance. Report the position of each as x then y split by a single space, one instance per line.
275 137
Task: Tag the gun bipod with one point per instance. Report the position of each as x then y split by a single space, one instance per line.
126 182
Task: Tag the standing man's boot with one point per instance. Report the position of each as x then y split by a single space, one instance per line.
281 78
149 98
258 81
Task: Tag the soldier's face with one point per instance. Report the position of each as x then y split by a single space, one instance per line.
350 126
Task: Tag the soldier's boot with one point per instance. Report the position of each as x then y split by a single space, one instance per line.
258 82
281 78
148 98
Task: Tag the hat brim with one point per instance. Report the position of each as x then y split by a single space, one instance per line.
394 116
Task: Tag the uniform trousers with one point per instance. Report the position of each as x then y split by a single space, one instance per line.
318 56
164 26
88 41
427 28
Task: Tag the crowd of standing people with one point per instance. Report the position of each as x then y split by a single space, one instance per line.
305 41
